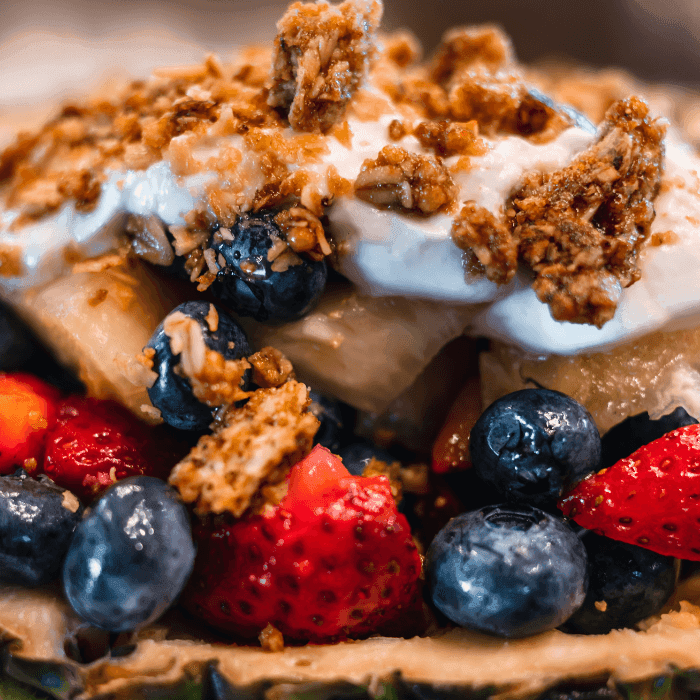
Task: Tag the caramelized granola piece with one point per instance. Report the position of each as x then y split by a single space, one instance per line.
450 138
464 47
253 448
215 380
406 180
580 229
270 367
321 54
477 230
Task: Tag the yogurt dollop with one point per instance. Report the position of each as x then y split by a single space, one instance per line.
394 254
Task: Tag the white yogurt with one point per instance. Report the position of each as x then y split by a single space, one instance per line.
390 254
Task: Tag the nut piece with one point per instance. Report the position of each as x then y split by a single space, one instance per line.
406 180
253 449
321 54
580 229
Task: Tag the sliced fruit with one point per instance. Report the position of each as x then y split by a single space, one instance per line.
655 373
97 323
329 347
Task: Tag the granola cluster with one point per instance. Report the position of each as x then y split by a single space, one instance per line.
250 452
321 53
406 180
579 229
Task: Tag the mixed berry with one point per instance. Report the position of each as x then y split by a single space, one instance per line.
256 283
541 523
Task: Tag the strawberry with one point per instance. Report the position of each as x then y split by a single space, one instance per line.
96 443
650 499
333 559
27 410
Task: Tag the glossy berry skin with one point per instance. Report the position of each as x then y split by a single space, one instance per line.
27 411
534 444
37 520
357 456
172 393
512 571
628 584
329 412
636 431
95 443
650 499
333 560
130 557
252 287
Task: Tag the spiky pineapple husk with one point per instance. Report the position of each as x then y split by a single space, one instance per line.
40 632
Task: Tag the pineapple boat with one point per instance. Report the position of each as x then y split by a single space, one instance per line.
359 212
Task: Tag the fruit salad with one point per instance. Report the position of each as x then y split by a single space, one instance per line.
336 370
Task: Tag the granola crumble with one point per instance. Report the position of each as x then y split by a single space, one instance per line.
580 229
322 53
215 380
406 180
251 450
270 367
478 231
450 138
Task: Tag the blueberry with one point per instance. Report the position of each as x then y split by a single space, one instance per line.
17 343
534 444
626 584
172 393
250 285
130 557
37 520
331 414
509 571
636 431
357 455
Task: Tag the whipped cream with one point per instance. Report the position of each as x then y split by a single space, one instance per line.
394 254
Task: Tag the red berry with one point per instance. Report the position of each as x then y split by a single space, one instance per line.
333 559
650 499
27 411
96 443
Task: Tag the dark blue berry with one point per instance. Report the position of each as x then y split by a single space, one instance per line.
332 429
534 444
636 431
21 350
172 393
250 285
37 520
509 571
357 455
626 584
130 557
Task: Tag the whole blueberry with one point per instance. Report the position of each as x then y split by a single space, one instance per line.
130 557
509 571
626 584
636 431
534 444
330 413
37 521
172 392
17 342
357 456
254 285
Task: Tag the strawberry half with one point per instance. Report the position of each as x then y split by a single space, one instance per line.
333 559
27 411
650 499
96 443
